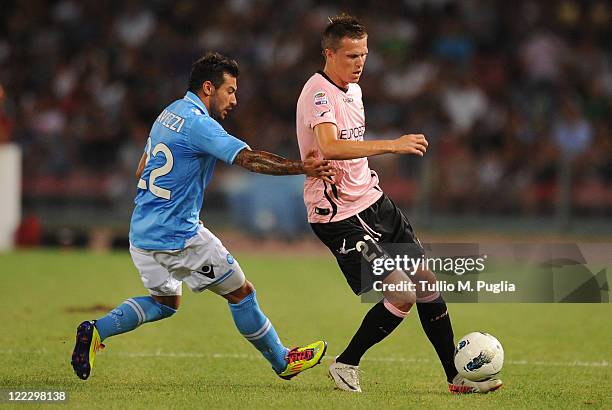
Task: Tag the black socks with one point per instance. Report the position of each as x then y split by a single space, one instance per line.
377 324
437 326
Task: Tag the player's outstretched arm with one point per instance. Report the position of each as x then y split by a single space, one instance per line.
333 148
264 162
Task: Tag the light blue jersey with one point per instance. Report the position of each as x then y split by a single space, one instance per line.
183 147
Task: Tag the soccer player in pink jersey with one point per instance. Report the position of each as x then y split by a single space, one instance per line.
353 215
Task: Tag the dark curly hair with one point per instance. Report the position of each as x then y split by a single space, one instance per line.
211 67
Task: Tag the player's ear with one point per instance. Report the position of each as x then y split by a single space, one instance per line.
328 53
208 88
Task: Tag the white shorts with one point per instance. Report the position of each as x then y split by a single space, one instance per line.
203 264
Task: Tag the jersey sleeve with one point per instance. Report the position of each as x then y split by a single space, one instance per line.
207 136
318 107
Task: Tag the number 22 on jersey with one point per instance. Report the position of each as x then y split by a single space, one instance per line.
159 171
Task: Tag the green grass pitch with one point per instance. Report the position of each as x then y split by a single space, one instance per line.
557 356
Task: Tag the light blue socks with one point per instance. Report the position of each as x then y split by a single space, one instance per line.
248 317
131 314
257 329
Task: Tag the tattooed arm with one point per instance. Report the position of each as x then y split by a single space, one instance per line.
264 162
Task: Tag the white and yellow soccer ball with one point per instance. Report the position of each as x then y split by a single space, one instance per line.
479 356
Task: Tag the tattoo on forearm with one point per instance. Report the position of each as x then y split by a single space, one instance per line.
264 162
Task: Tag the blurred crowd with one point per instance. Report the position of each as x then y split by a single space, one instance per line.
508 93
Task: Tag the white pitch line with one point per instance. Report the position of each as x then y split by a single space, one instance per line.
575 363
194 355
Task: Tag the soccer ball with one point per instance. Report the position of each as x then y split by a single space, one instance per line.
478 356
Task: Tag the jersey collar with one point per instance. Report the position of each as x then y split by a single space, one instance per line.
344 90
194 99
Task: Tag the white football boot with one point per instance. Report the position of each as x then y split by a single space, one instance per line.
345 376
461 385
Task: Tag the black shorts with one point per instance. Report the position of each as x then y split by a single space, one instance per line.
382 221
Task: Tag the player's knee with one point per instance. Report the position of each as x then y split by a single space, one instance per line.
397 293
248 286
402 300
427 292
172 302
424 276
245 290
239 294
397 308
404 306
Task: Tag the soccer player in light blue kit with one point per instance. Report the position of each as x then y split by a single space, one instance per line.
168 243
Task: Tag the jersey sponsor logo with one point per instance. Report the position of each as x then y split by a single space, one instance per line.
230 259
171 121
352 133
348 99
320 98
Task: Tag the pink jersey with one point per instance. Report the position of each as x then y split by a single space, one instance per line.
356 185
